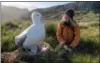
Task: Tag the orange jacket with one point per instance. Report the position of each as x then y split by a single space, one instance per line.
68 34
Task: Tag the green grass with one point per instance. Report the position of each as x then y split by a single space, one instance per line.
9 31
84 58
88 48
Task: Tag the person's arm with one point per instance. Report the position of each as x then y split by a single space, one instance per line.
59 38
76 40
59 33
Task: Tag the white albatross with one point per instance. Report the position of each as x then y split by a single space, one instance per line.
35 33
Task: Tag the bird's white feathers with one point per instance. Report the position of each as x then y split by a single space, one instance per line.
21 37
34 33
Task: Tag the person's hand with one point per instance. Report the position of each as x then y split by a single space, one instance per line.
62 44
67 48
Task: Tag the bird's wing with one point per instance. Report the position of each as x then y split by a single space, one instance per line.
19 39
36 32
34 35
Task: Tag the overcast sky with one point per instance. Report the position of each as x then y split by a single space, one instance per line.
32 5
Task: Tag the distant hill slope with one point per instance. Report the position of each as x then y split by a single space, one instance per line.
13 13
54 12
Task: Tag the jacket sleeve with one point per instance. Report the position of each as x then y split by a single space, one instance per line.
76 40
58 33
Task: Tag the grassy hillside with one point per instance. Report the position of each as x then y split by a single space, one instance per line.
88 49
55 12
13 13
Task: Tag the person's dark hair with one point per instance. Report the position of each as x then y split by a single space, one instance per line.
70 13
